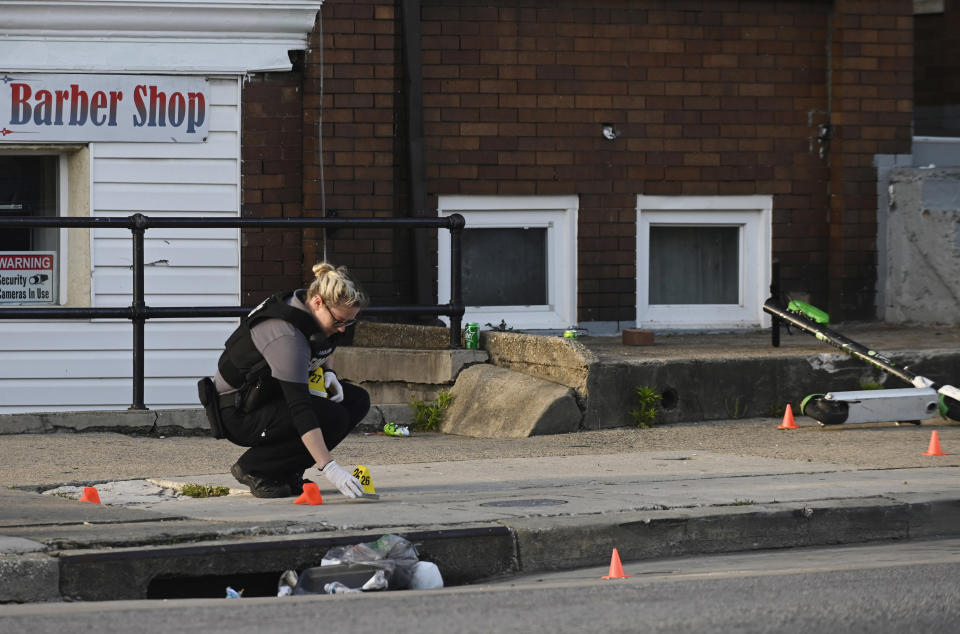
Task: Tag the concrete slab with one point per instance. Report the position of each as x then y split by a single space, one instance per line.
407 366
490 491
22 508
489 401
17 545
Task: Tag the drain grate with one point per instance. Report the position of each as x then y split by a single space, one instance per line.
534 502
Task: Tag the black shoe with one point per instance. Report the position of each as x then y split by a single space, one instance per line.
260 487
296 482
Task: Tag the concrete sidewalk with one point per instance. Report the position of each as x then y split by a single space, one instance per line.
479 517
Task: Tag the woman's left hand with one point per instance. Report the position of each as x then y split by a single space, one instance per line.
332 383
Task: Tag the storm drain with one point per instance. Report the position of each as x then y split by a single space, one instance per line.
533 502
263 584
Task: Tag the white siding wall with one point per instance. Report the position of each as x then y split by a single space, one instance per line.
88 365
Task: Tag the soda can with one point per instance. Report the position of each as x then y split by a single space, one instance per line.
569 334
471 336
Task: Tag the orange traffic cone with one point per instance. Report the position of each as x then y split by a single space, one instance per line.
90 495
788 419
616 569
311 495
934 449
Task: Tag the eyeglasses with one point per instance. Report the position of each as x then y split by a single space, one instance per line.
339 323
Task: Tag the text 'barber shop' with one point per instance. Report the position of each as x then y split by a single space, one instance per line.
54 107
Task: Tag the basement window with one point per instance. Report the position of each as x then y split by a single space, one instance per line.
703 262
518 258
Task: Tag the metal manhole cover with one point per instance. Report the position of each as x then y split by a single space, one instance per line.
537 502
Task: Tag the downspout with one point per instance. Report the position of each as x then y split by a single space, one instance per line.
827 137
423 257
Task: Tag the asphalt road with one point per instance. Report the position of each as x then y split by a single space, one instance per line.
876 589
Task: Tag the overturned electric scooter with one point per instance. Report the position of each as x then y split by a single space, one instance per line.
907 405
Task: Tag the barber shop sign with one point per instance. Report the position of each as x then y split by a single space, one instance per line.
49 107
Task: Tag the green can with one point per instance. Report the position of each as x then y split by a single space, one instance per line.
570 334
471 336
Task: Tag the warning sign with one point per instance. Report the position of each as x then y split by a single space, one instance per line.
27 278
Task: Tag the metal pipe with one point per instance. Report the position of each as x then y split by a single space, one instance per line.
138 228
457 223
423 266
189 222
775 293
168 312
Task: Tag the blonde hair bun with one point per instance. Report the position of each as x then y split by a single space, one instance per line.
335 286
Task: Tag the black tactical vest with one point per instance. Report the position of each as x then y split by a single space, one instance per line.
241 364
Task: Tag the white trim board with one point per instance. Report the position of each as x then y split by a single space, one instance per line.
144 36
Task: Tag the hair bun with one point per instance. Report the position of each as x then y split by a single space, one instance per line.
335 285
322 268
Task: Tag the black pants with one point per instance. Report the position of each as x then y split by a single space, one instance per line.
276 450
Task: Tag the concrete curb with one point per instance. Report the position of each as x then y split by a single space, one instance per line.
470 554
128 421
169 422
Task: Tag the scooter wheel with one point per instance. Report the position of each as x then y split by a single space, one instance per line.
824 410
949 408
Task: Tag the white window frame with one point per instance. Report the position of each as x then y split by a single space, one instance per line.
558 215
752 215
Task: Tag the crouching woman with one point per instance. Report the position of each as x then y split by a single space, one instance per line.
277 390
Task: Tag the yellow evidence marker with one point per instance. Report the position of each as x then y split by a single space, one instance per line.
362 474
315 382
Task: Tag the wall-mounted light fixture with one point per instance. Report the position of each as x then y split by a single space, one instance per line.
610 131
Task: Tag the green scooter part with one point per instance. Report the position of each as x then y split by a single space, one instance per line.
949 408
824 410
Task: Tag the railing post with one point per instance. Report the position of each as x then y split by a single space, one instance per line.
777 294
138 226
457 223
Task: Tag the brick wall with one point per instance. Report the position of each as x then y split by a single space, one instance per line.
362 158
711 98
271 172
872 112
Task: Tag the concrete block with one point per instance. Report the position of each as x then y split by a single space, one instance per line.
405 365
29 578
396 393
493 402
371 334
381 414
564 361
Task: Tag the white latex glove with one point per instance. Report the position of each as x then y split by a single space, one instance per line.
342 479
332 383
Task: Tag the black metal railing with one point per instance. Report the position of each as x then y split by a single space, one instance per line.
138 311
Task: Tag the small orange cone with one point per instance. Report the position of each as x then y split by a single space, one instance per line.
616 569
788 419
934 449
90 495
311 495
